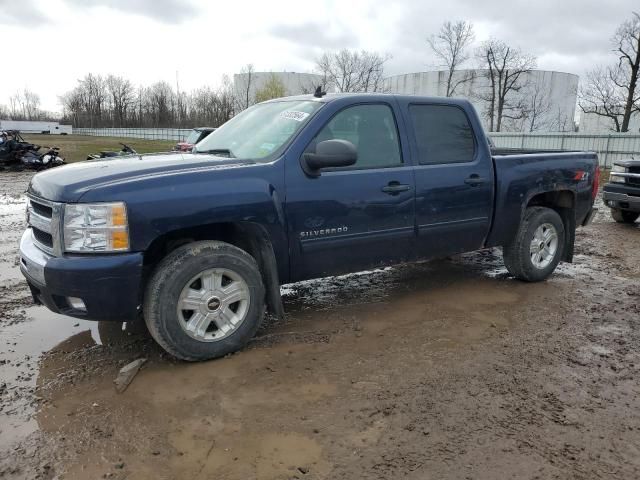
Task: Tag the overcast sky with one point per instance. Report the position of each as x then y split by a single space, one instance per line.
49 44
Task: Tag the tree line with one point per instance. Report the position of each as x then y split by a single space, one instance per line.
511 99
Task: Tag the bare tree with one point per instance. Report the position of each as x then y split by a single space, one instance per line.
627 43
244 86
72 106
507 70
600 95
30 104
121 98
451 46
537 107
351 71
612 91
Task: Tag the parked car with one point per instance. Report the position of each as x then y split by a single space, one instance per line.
622 193
196 135
292 189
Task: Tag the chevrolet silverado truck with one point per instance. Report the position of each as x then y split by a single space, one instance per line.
622 193
199 243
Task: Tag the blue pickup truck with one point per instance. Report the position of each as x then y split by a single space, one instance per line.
291 189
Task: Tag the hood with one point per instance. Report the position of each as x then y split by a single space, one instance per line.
68 183
627 163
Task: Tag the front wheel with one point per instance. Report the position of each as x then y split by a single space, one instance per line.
624 216
204 300
538 246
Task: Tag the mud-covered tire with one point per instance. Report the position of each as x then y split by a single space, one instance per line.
517 255
170 278
624 216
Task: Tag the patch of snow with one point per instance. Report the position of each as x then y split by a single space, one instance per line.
12 206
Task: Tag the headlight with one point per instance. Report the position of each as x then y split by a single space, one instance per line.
617 178
96 227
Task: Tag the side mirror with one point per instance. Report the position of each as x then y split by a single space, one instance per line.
329 153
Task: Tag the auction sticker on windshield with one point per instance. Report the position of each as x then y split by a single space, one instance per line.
294 115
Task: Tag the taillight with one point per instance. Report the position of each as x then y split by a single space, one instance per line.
596 182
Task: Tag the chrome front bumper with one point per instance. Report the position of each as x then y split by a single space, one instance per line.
32 259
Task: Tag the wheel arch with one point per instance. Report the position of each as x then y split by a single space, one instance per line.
251 237
563 202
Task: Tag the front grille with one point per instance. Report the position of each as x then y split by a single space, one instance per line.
44 217
42 210
43 237
633 180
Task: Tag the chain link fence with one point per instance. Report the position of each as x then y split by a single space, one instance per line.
177 134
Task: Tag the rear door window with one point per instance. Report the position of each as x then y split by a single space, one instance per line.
443 134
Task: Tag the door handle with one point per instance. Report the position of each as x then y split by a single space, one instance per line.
394 188
475 180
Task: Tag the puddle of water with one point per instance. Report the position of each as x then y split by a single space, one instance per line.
22 345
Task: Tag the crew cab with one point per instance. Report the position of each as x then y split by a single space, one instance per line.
622 193
291 189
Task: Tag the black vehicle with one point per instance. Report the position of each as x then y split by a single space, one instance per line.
622 193
17 153
36 161
126 150
13 147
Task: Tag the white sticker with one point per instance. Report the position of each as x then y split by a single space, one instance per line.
268 146
294 115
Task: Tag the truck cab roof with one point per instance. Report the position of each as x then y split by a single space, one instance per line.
372 97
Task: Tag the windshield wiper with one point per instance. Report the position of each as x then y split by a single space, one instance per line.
218 151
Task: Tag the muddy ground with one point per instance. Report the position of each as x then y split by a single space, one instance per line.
443 370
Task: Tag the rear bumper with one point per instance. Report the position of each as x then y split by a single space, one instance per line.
618 197
109 285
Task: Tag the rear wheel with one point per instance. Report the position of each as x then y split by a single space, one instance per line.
204 300
538 246
624 216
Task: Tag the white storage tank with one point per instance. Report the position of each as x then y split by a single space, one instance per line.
556 94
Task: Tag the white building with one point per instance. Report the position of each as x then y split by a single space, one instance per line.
246 85
554 95
28 126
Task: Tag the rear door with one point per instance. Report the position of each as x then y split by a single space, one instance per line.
357 217
454 178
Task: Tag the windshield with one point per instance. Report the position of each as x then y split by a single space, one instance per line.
260 130
193 137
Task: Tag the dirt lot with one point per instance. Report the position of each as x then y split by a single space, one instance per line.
444 370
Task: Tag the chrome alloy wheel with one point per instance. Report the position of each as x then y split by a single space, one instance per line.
213 304
544 246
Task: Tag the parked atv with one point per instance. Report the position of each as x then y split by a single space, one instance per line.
17 154
35 161
126 150
13 146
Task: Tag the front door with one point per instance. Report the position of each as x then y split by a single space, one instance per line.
357 217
